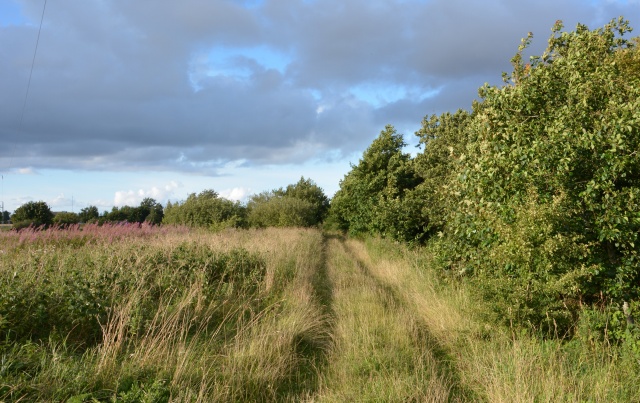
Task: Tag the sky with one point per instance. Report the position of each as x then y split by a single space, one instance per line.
134 99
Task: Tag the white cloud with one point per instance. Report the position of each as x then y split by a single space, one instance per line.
236 194
27 171
59 201
134 197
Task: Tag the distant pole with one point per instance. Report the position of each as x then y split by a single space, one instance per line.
2 209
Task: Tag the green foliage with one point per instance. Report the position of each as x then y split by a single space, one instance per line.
89 214
534 194
164 314
306 190
65 218
148 211
444 139
371 198
32 214
207 210
540 187
302 204
270 210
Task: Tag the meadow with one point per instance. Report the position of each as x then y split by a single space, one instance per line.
140 313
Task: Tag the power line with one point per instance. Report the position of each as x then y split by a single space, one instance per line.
26 96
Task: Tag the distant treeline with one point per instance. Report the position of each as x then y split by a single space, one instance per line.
302 204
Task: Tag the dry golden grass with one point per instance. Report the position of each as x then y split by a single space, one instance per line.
381 353
493 362
329 320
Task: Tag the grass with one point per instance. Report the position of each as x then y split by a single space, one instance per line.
381 353
500 365
160 315
168 314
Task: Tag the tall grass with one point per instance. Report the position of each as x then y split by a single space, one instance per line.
498 364
165 314
160 314
381 352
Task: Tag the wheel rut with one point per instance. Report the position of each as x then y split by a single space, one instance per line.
382 351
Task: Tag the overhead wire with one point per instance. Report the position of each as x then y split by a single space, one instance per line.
26 97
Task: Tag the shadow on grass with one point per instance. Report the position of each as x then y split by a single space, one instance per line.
446 367
313 351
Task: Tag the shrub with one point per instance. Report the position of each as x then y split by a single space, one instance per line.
205 209
33 214
64 219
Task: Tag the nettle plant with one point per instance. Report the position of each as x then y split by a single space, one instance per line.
555 152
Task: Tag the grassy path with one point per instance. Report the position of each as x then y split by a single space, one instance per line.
401 336
306 316
382 351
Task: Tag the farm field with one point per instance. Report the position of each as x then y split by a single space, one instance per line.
158 314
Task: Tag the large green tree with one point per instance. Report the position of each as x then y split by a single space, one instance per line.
443 140
89 214
206 209
32 214
302 204
546 196
371 198
65 218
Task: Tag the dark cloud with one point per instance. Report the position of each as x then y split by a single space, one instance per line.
123 85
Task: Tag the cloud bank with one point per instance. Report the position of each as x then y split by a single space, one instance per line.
190 86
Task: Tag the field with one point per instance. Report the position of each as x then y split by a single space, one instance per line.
157 314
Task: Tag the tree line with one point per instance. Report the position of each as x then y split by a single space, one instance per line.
302 204
533 194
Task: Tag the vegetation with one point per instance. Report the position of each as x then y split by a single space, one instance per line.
147 313
533 194
142 313
32 214
207 210
65 218
302 204
89 214
371 199
516 278
149 210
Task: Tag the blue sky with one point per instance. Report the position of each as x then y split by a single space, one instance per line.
130 101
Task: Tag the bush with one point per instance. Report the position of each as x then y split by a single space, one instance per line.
543 206
64 219
270 210
302 204
32 214
207 210
371 198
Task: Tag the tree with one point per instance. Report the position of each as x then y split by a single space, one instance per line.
371 198
271 209
545 199
64 218
302 204
6 216
32 214
89 214
205 209
149 210
443 140
156 214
